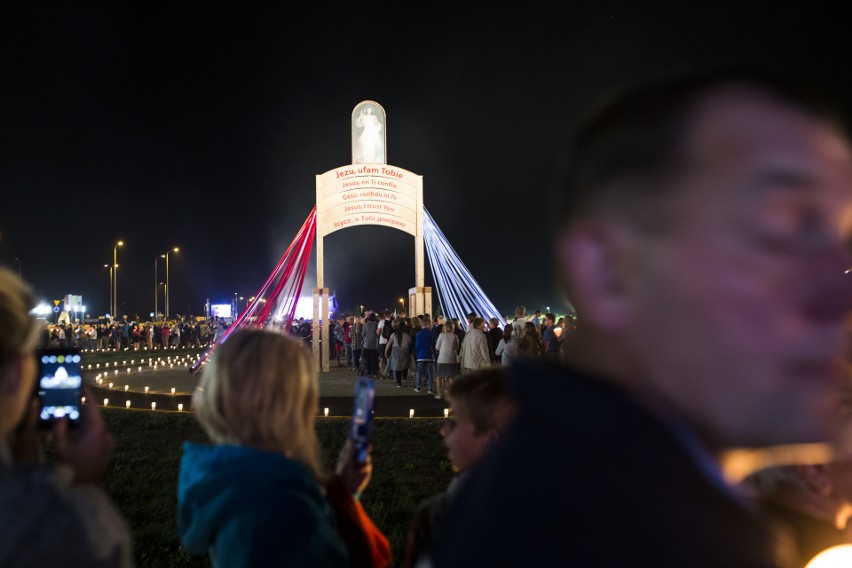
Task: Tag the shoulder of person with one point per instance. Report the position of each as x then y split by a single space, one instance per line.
49 518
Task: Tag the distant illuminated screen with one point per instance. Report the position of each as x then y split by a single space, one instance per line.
220 310
305 307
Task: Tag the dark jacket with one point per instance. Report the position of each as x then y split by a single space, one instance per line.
424 346
495 334
371 340
586 477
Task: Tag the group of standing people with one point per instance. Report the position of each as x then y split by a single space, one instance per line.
131 335
390 346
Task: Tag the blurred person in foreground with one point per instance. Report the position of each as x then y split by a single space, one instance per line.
809 504
481 409
258 496
49 516
703 240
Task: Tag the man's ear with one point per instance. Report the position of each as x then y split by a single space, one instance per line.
816 478
590 257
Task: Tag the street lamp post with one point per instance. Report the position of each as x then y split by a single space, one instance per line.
114 308
176 249
157 287
110 287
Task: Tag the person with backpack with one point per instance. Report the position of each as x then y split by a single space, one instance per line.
384 331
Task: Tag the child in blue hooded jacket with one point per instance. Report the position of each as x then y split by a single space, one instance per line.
258 496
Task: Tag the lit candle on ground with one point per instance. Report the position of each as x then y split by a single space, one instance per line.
411 413
180 407
127 404
146 389
173 390
153 406
126 387
446 413
110 385
325 411
106 402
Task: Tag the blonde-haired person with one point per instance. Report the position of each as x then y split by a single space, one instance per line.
258 495
49 515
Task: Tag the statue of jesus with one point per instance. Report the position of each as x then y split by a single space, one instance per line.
369 146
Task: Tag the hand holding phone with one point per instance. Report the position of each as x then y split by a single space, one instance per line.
362 418
86 449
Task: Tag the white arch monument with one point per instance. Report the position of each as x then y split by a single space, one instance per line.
368 192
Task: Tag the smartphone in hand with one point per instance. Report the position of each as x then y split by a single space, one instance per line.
362 417
60 386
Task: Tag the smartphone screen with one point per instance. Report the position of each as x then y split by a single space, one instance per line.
60 384
362 417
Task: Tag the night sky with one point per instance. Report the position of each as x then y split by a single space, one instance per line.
202 125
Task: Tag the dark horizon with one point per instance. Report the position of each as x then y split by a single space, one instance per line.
203 127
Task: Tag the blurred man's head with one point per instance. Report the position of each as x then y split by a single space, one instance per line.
704 241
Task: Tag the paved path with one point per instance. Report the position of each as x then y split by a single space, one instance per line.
337 388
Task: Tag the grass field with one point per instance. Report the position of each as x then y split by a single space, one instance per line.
409 460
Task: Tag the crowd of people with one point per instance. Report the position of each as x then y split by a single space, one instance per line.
132 335
391 345
703 238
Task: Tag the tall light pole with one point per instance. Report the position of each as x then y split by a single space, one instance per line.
110 287
114 308
167 278
157 287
